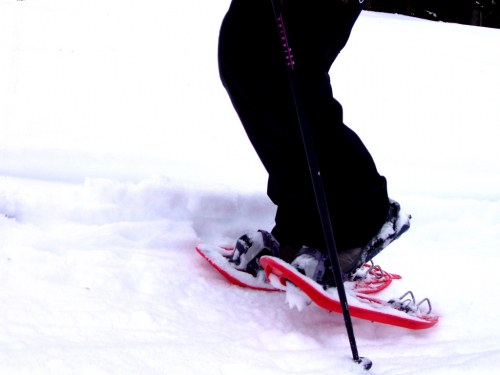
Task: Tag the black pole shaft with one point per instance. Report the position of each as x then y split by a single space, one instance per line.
315 174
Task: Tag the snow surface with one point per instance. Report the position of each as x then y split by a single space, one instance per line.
120 153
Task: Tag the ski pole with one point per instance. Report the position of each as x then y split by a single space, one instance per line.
319 191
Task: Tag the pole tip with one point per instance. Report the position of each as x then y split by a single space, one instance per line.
365 362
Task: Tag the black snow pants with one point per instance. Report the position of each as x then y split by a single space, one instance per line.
253 71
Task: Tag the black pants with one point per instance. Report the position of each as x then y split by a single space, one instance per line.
253 70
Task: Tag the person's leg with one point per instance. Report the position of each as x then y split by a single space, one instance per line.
254 73
355 192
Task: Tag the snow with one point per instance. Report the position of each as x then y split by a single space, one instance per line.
120 152
296 298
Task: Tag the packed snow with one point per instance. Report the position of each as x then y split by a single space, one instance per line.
120 152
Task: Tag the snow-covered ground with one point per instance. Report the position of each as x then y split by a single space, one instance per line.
119 152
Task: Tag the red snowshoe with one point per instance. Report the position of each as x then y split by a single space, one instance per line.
301 290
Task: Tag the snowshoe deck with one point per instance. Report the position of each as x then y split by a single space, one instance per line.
361 305
217 257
